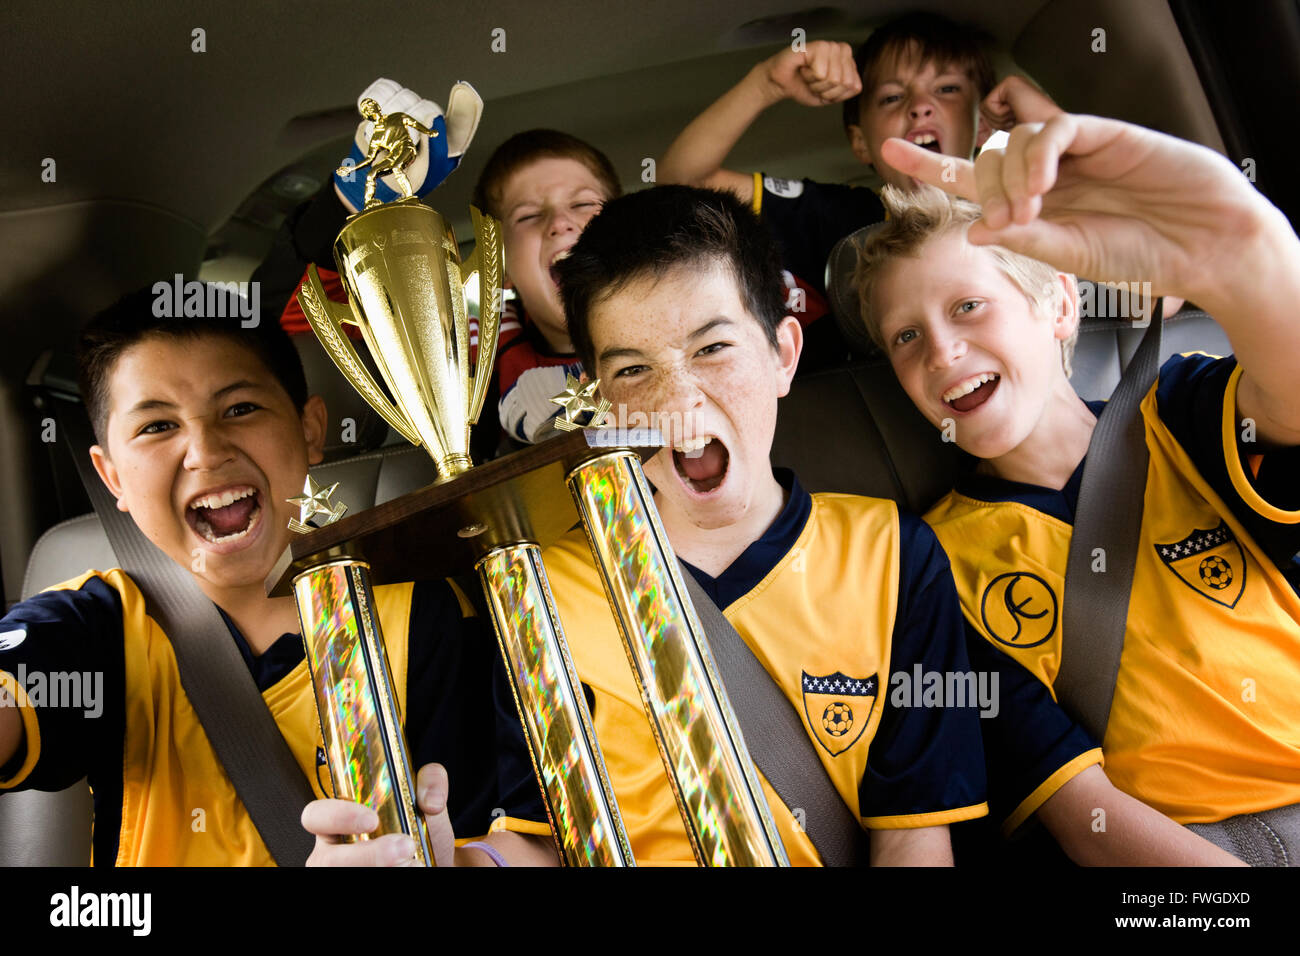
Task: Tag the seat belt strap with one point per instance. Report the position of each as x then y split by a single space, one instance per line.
1107 527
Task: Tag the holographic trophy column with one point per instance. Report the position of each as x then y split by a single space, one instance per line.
581 804
713 778
360 718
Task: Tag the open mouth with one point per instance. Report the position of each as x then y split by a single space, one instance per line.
555 261
702 464
225 517
926 140
971 394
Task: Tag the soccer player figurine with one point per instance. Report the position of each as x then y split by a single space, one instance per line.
397 124
390 138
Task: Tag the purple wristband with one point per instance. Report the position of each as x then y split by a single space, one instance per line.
490 850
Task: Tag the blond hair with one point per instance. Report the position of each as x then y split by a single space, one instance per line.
916 217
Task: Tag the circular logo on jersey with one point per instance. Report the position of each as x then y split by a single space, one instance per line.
1216 572
1019 609
837 718
785 188
11 639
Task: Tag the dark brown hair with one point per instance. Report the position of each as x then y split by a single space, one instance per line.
930 38
652 231
134 318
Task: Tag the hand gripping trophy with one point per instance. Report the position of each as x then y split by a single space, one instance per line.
405 282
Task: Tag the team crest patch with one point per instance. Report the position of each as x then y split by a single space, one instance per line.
1019 609
838 708
1211 563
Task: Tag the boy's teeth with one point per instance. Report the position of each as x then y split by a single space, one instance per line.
223 499
965 388
924 139
692 447
563 254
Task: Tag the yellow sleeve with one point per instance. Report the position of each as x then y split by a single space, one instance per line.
30 729
1240 482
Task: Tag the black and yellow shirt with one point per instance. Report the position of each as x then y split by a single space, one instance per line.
1205 722
839 593
100 696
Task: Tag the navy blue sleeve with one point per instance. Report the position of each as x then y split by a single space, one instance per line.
925 758
807 218
1028 737
1190 396
65 649
455 716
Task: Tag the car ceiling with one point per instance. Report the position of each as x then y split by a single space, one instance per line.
131 114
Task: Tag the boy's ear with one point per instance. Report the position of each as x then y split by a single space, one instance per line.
108 474
789 345
315 418
858 143
1066 320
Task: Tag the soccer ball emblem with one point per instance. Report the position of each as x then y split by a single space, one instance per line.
837 718
1216 572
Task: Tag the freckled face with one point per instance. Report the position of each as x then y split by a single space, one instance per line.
684 351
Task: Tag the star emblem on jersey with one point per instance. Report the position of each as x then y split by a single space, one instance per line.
838 708
1019 609
1211 563
576 399
313 501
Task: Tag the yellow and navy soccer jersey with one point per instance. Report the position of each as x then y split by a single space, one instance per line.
839 592
1205 722
101 697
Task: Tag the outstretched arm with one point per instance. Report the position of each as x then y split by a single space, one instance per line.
822 73
1126 832
412 123
1119 203
924 846
370 158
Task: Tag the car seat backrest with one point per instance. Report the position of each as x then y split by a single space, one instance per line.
354 426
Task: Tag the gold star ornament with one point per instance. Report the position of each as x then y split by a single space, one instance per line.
313 501
576 399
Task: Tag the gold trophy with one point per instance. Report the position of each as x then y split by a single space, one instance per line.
406 286
401 268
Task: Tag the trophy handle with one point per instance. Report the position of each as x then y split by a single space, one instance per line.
327 325
486 261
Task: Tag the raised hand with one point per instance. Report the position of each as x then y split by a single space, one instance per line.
1014 101
1103 199
820 74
